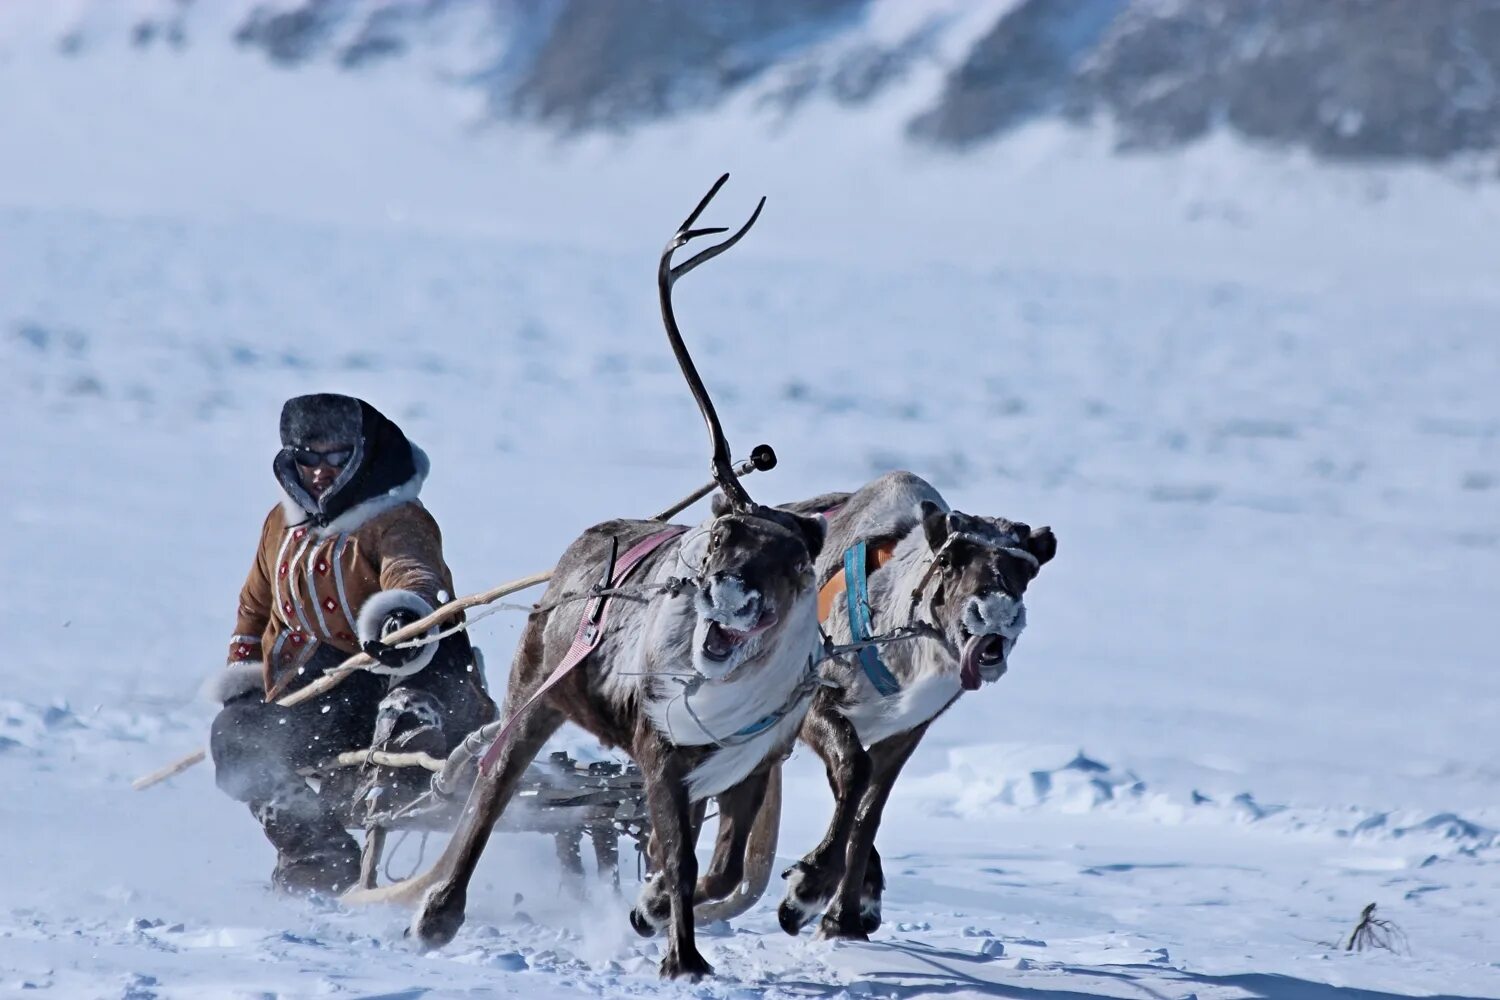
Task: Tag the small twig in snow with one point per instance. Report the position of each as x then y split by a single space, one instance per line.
1371 932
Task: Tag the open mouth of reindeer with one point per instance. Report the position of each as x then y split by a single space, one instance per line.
981 658
720 641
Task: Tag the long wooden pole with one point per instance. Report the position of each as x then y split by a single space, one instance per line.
358 661
761 459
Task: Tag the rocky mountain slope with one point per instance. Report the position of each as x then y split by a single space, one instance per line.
1342 79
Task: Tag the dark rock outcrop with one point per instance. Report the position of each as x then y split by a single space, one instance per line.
1404 80
1357 79
1024 68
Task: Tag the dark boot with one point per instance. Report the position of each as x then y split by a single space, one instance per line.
257 749
314 854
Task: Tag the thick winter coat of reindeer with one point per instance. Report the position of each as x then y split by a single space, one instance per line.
953 584
705 682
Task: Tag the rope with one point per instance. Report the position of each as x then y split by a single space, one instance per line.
636 592
682 547
419 806
912 630
921 587
421 854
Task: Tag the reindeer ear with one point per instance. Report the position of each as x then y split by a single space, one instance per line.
719 505
1042 543
814 532
934 524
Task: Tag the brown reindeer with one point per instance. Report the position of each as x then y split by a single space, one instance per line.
704 682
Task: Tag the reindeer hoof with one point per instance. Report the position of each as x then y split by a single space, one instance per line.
804 898
642 923
836 928
869 915
685 965
438 921
792 917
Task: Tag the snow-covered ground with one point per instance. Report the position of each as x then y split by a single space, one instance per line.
1255 398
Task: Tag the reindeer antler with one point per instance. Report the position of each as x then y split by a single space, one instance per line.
666 277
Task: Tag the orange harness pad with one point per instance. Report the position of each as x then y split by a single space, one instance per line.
877 556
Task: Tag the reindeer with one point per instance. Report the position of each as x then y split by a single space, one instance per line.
950 586
704 683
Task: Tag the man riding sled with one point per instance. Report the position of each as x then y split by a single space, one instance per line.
348 556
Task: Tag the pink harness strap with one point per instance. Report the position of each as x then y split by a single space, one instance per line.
585 641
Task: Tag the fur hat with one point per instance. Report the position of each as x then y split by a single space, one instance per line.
383 460
324 417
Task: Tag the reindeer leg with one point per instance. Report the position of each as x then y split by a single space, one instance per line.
442 912
869 897
812 881
653 906
666 773
843 919
738 807
654 909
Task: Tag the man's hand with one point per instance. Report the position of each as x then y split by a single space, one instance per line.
390 656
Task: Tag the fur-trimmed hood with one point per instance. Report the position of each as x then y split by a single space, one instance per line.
385 471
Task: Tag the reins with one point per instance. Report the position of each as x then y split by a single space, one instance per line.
640 592
932 568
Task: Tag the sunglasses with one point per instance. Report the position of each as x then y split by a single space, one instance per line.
309 459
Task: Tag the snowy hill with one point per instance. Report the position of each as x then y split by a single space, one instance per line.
216 129
1348 79
1253 392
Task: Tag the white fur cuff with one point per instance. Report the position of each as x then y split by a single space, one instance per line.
373 615
238 678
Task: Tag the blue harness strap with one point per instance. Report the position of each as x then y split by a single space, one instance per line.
761 725
857 602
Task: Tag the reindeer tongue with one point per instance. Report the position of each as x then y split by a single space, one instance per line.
968 663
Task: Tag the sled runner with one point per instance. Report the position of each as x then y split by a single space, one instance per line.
573 801
600 801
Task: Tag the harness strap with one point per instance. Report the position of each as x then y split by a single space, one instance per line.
921 587
590 633
766 722
857 603
800 693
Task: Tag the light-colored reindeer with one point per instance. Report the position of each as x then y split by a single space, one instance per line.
905 563
941 593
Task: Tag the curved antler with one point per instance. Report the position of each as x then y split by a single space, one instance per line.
666 277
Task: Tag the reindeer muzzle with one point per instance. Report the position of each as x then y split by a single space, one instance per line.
990 627
982 659
720 641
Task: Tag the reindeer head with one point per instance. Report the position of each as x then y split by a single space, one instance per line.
756 567
977 583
